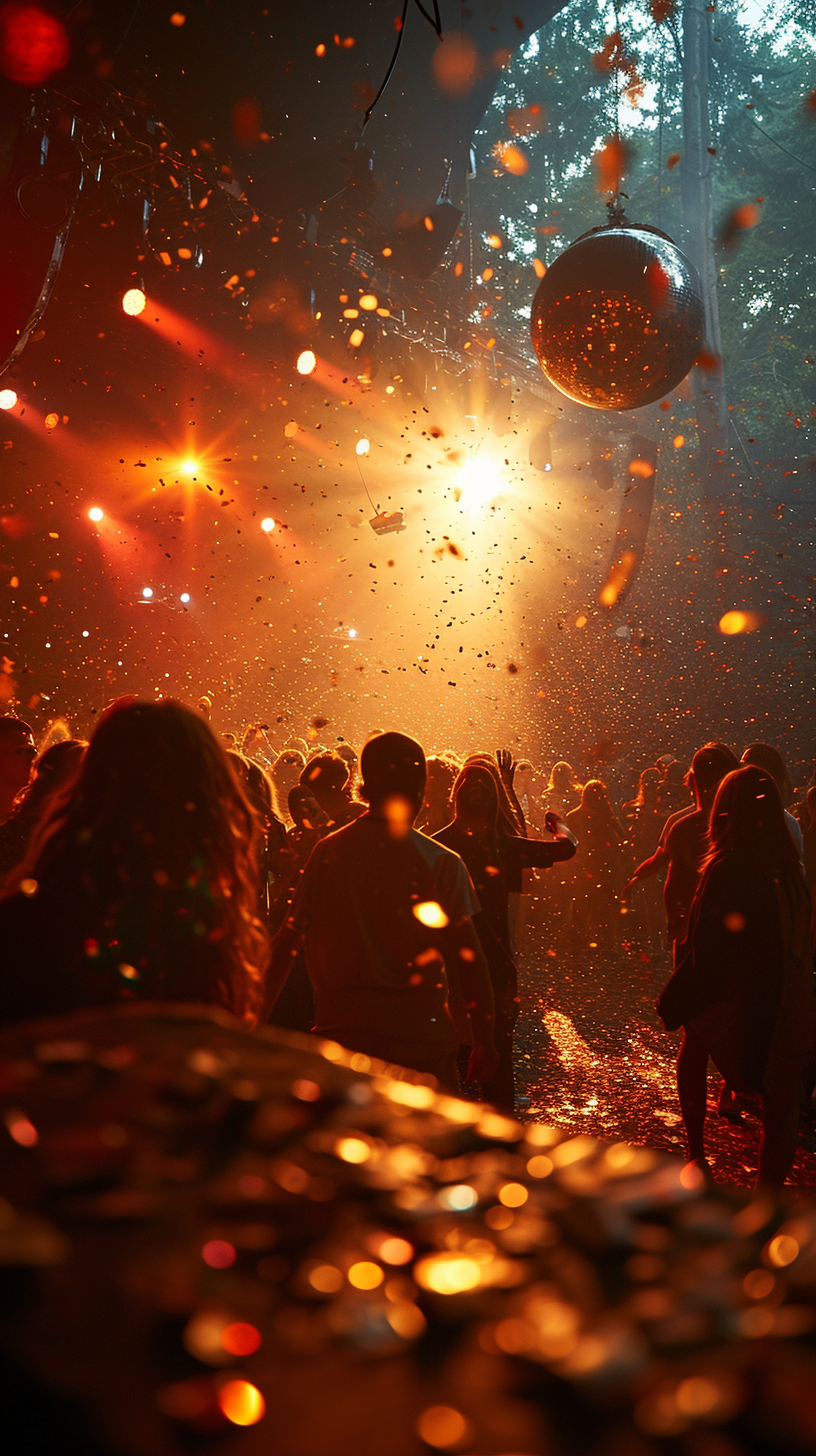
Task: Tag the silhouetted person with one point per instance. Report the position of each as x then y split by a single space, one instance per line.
52 771
644 821
271 829
142 881
494 860
684 848
742 988
563 792
17 755
436 806
598 865
385 916
763 756
327 777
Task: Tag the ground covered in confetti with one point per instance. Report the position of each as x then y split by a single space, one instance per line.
592 1056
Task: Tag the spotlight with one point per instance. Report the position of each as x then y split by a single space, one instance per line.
356 338
362 447
134 301
185 597
147 592
189 467
306 362
8 399
352 631
267 524
477 484
95 514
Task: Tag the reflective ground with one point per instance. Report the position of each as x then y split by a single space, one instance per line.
592 1055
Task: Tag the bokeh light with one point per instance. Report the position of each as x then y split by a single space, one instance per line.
218 1253
442 1426
242 1402
306 362
447 1273
353 1150
365 1275
459 1197
430 913
134 302
33 44
241 1339
325 1278
8 399
147 592
477 485
96 514
267 524
396 1251
513 1195
731 623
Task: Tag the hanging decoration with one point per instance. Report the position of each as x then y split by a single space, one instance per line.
617 320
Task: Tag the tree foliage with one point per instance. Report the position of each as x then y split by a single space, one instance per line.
537 185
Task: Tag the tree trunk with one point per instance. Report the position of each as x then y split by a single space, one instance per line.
716 468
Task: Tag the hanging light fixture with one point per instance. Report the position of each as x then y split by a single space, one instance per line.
617 320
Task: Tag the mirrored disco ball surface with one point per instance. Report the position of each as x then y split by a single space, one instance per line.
617 320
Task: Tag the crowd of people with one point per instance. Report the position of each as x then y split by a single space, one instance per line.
376 900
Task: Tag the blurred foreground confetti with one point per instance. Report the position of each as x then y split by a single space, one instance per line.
260 1239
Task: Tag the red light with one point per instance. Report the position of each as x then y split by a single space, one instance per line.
218 1254
241 1402
241 1339
33 44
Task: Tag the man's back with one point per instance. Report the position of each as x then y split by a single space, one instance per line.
379 979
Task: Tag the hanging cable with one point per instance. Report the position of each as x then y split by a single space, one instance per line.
435 20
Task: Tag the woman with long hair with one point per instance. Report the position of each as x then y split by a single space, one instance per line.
743 986
284 776
563 791
495 859
599 876
142 881
644 821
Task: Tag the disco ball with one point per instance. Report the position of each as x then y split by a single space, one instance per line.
617 320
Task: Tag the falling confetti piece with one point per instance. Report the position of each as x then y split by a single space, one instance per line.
618 579
734 622
739 220
611 162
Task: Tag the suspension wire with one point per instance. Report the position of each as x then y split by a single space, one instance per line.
374 508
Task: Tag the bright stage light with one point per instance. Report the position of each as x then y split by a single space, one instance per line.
189 467
267 524
95 514
306 362
185 597
352 631
147 592
362 447
8 399
134 302
477 484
